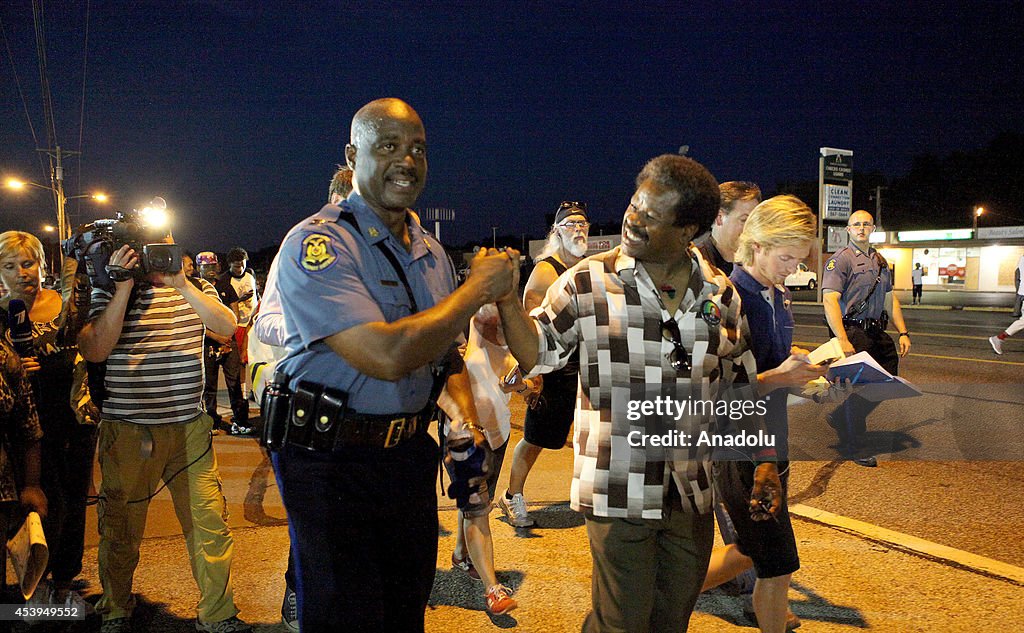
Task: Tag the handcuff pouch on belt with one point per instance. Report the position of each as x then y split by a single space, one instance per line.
306 417
315 412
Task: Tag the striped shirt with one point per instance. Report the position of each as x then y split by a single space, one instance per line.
155 371
608 307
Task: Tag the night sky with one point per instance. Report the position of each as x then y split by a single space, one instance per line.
237 112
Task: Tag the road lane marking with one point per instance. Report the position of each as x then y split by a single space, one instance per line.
977 360
959 558
810 344
917 333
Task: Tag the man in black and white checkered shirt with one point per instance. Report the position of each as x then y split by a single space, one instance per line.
649 318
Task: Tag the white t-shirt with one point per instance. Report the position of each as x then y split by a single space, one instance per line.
917 275
242 285
487 364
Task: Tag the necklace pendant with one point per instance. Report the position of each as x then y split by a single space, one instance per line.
669 290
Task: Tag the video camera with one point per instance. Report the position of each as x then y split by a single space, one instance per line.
92 245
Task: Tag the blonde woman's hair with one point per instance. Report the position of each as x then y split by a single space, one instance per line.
13 242
778 221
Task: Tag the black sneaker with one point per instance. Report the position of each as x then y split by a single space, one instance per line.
116 625
230 625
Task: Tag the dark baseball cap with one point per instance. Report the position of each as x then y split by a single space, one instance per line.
571 208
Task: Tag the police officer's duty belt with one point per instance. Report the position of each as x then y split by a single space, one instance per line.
868 325
315 417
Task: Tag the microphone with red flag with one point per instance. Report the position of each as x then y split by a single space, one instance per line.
20 327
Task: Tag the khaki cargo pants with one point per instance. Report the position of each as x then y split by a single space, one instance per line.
134 459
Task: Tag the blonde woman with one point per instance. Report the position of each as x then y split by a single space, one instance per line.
777 236
67 445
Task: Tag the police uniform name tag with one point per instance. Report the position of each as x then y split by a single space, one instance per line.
318 253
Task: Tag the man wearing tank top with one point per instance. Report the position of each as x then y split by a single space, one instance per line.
553 397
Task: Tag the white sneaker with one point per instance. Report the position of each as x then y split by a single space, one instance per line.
238 429
997 344
514 509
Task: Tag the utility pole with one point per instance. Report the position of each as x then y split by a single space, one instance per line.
878 206
57 185
494 237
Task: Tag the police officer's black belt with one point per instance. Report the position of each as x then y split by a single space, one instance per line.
318 420
865 324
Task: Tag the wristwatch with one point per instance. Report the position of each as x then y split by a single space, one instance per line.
907 334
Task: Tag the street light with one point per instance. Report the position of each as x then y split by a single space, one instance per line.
62 225
974 216
14 183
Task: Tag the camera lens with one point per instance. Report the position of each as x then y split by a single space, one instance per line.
160 260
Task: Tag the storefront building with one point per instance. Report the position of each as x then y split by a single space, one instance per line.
953 259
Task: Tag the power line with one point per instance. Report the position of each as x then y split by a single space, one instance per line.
39 20
81 112
21 93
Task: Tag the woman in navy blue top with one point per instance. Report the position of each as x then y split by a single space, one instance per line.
778 235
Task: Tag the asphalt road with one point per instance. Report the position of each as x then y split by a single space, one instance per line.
953 467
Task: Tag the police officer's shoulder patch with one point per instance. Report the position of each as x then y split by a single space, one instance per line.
318 253
831 265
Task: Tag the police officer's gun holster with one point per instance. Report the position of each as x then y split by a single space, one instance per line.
275 406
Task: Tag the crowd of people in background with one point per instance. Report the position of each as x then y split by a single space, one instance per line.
121 367
363 330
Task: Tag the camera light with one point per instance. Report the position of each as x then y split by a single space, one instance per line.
154 214
154 218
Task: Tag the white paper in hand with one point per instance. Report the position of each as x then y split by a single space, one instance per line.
827 352
29 554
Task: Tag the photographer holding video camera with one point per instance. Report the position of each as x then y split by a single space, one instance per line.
147 325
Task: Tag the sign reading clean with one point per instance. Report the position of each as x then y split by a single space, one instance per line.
837 202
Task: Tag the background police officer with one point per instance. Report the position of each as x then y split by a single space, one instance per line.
858 301
370 307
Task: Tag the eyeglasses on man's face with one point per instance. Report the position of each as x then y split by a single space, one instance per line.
575 224
678 357
861 225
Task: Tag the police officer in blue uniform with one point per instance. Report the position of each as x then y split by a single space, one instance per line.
371 310
857 287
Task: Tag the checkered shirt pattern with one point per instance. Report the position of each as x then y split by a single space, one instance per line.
608 307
